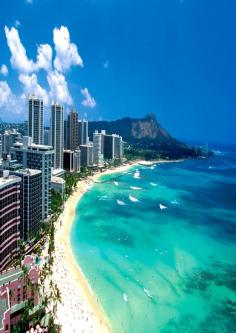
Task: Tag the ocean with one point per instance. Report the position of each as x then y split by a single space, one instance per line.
158 246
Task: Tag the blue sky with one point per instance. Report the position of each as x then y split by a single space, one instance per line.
115 58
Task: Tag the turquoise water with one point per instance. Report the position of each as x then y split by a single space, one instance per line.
163 270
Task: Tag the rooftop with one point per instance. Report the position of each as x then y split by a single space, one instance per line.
32 146
28 171
58 180
8 181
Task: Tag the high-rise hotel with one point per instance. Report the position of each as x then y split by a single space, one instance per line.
37 157
9 218
35 120
72 137
57 134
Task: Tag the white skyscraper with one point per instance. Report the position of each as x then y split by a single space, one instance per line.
35 125
98 145
37 157
57 134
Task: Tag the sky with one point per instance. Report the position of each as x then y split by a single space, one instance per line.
116 58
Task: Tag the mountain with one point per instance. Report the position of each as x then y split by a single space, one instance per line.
145 133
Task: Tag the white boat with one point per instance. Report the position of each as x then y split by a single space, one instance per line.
120 202
125 297
137 174
135 188
133 199
162 207
116 183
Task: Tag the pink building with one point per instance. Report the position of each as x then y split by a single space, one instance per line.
14 291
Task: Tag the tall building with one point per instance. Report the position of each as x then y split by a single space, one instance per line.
86 155
76 160
71 160
66 135
30 202
118 146
113 147
98 148
37 157
35 120
9 218
57 134
47 136
9 137
72 128
108 147
83 132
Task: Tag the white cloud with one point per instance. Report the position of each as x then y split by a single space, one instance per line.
5 93
59 88
19 59
66 52
4 70
10 104
88 101
31 86
17 23
44 57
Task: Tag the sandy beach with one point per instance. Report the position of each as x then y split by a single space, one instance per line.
80 310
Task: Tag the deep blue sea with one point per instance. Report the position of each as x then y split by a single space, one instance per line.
158 246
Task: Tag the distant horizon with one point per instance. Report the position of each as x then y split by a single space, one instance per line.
190 141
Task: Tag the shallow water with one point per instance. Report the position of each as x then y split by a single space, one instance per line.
176 266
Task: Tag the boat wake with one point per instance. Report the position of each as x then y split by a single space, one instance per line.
174 202
102 197
153 184
135 188
147 293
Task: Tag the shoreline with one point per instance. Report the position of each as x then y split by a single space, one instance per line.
94 319
67 266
